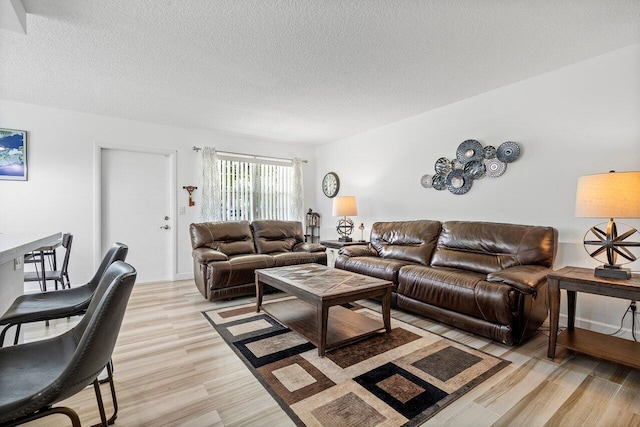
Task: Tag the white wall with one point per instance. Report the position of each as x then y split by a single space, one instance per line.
577 120
59 195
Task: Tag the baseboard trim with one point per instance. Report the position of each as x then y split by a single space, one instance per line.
183 276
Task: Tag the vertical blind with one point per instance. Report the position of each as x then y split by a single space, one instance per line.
254 190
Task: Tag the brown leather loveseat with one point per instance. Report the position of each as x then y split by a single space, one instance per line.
226 254
486 278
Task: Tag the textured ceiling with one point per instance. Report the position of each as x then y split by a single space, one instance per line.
294 71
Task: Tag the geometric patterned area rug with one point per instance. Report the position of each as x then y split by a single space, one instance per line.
398 379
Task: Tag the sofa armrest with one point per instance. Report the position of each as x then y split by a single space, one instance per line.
308 247
357 250
525 278
206 255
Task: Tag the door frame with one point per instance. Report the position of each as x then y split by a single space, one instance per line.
97 198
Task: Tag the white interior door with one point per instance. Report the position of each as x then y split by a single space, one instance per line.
136 209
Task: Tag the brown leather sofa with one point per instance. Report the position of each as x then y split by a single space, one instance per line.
226 254
486 278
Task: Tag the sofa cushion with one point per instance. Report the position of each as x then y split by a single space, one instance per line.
486 247
411 241
291 258
228 237
238 270
460 291
276 236
386 269
309 247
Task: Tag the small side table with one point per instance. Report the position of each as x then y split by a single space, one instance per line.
574 280
334 246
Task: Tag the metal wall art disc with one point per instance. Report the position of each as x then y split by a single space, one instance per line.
456 165
469 150
508 152
443 165
439 182
426 181
494 167
489 152
458 182
474 169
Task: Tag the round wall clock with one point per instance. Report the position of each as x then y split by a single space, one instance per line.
330 184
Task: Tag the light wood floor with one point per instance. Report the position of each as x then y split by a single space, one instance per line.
172 369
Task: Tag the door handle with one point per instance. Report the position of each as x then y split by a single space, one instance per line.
165 227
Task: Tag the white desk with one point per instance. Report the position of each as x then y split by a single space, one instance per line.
13 246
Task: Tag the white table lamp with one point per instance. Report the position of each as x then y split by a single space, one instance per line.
344 206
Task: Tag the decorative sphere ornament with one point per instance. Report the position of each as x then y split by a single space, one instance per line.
345 227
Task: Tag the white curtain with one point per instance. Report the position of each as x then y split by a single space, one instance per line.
210 207
297 198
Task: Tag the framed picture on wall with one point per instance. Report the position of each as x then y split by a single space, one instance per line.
13 154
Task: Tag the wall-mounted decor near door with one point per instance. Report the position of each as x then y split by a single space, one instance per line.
472 161
13 154
190 189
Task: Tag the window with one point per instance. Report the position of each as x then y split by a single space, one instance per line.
246 187
254 189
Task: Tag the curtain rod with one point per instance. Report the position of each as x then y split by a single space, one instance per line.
252 156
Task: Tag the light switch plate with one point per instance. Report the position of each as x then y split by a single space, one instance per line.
181 210
18 263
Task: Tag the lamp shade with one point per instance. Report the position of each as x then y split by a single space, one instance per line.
344 206
609 195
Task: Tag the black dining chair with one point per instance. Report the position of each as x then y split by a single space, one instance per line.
58 304
59 276
37 375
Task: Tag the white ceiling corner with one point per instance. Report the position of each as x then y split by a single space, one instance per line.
13 16
307 71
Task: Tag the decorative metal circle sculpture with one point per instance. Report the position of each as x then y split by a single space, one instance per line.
439 181
474 169
508 152
472 161
607 248
494 167
469 150
426 181
458 182
443 165
489 152
456 165
345 227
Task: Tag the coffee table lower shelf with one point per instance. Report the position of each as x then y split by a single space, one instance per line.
602 346
344 326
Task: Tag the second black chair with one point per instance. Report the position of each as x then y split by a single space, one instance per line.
59 276
56 305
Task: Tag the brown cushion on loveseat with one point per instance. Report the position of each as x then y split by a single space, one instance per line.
276 236
230 237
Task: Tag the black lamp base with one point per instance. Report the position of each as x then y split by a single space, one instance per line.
613 272
345 239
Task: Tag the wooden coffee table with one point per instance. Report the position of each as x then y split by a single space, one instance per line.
318 288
